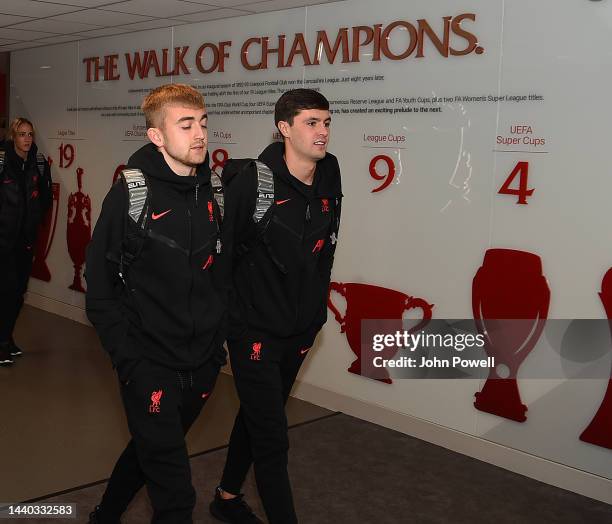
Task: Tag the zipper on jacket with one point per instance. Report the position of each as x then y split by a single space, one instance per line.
190 264
218 245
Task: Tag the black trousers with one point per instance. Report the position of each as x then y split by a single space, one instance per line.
161 405
264 374
15 268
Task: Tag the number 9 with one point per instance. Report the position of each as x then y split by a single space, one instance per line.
388 178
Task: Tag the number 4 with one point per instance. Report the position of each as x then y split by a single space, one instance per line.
522 169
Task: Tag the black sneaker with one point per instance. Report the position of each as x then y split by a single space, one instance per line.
234 511
94 517
14 349
5 355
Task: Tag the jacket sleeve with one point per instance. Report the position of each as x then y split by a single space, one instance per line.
105 288
330 252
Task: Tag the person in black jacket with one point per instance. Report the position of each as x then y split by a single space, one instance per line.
283 263
158 298
25 196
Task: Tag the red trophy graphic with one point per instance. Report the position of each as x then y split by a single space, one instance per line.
46 233
78 232
510 299
599 431
365 302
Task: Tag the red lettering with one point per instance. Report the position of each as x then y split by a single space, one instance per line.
472 41
152 61
165 63
299 48
66 155
323 42
219 158
377 35
179 63
441 45
97 69
357 40
386 35
522 170
89 62
265 51
136 64
110 70
388 178
244 52
223 54
199 54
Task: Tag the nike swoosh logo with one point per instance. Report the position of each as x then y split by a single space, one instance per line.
155 217
281 202
303 351
204 395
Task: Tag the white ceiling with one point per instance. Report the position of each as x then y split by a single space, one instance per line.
34 23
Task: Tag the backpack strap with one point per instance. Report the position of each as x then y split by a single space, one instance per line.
262 216
263 204
41 162
138 194
264 209
216 186
265 190
217 191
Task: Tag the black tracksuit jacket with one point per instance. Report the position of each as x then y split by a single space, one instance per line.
25 196
172 309
281 283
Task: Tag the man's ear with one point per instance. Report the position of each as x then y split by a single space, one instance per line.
155 135
283 127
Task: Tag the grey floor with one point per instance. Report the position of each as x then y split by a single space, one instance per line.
62 422
64 427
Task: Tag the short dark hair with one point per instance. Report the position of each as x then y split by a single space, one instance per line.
292 102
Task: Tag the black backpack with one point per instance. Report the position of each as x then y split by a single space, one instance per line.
265 207
41 161
137 216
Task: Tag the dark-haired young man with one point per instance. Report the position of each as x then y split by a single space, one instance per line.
282 217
